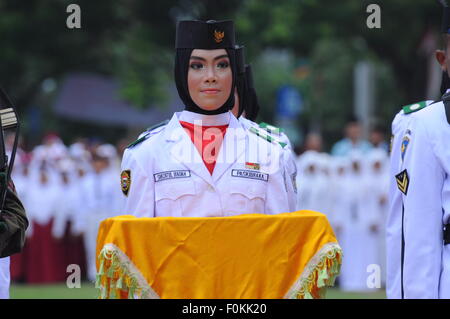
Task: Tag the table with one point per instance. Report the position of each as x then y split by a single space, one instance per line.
289 255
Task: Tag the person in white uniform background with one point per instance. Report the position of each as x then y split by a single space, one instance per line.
204 162
341 189
418 254
377 185
393 225
325 194
358 245
45 253
100 192
69 204
111 171
313 182
82 161
308 180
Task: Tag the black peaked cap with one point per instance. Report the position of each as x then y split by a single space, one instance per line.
240 59
209 35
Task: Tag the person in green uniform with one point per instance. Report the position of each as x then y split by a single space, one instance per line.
13 223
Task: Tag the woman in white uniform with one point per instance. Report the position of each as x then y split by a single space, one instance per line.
203 162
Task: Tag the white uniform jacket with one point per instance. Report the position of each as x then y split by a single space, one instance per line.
424 182
394 216
165 175
289 159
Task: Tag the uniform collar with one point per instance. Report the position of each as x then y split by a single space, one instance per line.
207 120
183 150
204 120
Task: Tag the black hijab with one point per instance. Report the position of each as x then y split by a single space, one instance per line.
251 99
209 35
445 83
241 86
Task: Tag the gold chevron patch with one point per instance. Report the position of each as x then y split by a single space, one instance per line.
403 181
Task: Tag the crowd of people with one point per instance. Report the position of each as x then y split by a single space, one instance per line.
350 186
66 191
352 191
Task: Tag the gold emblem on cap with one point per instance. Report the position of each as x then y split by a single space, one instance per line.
218 36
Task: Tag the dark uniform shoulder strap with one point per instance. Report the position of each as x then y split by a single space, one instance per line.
434 102
446 100
147 133
151 128
139 140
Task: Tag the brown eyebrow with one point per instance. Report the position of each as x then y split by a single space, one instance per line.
203 59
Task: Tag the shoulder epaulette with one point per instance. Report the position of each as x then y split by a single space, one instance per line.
270 128
139 140
151 128
266 136
411 108
147 133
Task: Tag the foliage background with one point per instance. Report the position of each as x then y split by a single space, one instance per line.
310 44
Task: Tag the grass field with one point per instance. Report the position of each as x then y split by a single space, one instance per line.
88 291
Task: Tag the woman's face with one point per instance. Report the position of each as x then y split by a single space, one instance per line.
209 78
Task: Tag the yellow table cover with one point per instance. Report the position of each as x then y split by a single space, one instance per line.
290 255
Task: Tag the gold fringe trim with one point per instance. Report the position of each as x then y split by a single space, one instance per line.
320 273
119 278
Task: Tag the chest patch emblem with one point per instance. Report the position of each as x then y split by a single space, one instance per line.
125 181
405 143
255 166
243 173
162 176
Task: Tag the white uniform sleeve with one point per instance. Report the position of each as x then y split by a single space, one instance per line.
140 200
277 199
290 177
422 217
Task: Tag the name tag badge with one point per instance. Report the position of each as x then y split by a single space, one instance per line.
171 175
250 174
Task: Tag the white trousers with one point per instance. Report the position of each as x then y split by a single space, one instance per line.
4 278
